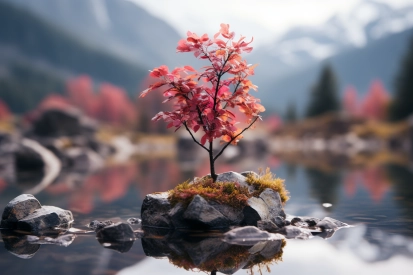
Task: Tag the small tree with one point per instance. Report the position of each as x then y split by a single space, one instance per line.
324 95
203 99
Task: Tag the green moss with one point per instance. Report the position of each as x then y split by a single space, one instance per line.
229 193
268 180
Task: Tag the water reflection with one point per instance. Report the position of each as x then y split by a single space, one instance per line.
374 195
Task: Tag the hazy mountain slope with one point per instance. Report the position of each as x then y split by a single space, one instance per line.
121 27
358 67
29 42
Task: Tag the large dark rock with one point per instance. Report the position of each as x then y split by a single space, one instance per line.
25 213
44 219
255 211
57 123
273 201
201 214
17 209
155 209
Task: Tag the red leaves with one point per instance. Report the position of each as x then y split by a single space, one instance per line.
203 99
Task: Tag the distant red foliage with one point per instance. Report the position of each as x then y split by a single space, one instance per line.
110 104
376 102
374 105
4 111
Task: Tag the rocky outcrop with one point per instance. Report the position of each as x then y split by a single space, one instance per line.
157 210
25 213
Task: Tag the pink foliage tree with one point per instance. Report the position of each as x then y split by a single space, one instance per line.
376 102
203 100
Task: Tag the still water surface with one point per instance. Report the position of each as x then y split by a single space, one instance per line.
377 200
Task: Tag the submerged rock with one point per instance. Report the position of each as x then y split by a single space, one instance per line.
25 213
118 236
97 225
118 232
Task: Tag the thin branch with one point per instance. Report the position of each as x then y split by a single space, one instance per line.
189 131
234 138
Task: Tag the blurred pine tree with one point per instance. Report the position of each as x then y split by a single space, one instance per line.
402 105
324 94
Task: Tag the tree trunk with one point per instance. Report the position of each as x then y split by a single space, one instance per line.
212 162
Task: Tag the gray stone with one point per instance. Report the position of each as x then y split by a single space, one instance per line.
247 173
255 211
268 226
45 218
118 232
200 213
154 211
247 235
279 221
273 201
234 215
234 177
118 236
330 224
305 221
292 232
176 214
135 221
17 209
97 225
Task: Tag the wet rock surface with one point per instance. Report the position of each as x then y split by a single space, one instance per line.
25 213
157 211
200 213
17 209
117 236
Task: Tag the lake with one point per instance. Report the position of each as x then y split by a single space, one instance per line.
376 199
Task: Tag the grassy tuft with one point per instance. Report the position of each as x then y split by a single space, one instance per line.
268 180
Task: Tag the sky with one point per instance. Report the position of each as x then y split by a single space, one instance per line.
263 19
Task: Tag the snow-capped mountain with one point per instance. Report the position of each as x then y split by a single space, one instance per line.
368 21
